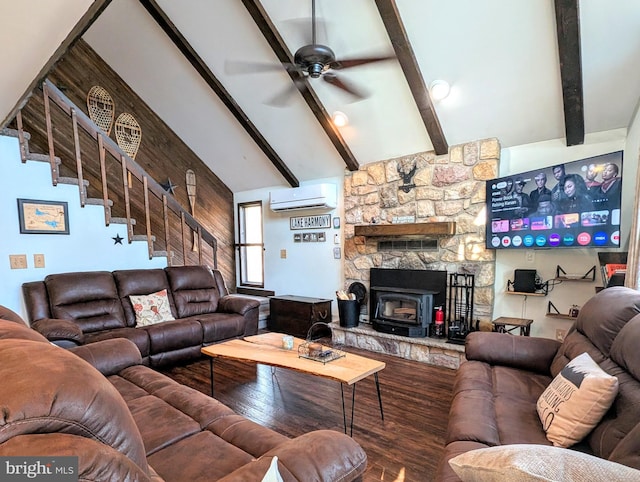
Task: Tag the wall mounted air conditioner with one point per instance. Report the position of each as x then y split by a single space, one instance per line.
315 196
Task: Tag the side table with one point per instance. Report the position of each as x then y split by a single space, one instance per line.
500 325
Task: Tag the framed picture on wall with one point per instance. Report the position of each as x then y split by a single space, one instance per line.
43 217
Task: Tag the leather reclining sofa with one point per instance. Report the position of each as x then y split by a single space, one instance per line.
126 422
496 389
72 309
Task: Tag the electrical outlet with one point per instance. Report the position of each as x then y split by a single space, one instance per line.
283 253
560 334
530 255
38 260
18 261
336 238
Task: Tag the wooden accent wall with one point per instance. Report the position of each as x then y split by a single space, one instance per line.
162 154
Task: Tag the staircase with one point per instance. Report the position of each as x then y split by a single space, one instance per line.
124 187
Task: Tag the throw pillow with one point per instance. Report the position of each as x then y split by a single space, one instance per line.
273 474
151 309
576 400
529 463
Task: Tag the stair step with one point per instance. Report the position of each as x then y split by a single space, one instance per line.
122 221
73 181
13 133
142 237
32 156
157 254
94 201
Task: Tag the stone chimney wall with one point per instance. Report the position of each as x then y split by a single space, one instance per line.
443 188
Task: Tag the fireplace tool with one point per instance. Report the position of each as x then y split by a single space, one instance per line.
460 312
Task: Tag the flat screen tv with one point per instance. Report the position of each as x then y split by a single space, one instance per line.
571 205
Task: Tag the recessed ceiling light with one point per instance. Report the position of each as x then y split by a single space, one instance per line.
439 89
339 119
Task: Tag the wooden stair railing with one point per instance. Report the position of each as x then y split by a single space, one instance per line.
129 167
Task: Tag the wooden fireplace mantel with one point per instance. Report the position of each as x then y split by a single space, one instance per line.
406 229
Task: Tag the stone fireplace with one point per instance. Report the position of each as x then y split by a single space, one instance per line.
422 189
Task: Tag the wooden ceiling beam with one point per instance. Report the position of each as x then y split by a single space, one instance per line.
400 41
266 26
568 33
90 16
201 67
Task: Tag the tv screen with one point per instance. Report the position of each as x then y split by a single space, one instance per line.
571 205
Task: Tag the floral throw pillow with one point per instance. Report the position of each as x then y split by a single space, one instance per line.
151 309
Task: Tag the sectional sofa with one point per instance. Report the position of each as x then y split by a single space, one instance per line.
126 422
496 394
73 309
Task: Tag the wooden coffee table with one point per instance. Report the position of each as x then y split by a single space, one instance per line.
267 350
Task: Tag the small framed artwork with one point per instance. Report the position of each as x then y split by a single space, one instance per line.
313 237
297 237
336 223
43 217
322 237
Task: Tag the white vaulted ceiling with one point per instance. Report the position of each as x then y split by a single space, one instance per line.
501 58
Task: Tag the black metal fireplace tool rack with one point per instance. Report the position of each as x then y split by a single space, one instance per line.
460 312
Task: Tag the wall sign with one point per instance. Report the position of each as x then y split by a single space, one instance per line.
322 221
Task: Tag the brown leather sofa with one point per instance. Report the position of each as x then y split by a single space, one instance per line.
126 422
496 389
72 309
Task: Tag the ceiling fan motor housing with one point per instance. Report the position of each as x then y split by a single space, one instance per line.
314 58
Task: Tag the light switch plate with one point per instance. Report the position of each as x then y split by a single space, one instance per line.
18 261
38 260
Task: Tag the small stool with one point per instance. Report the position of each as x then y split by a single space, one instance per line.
500 325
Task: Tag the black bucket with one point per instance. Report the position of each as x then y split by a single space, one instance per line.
349 313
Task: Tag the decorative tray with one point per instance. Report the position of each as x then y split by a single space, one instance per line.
318 352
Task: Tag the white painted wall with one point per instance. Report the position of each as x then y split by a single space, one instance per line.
574 260
31 32
309 269
88 247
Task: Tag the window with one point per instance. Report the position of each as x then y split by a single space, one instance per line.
250 245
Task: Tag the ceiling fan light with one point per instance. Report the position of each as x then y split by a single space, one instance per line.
339 119
439 89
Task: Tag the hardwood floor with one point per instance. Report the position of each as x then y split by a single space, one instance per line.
405 447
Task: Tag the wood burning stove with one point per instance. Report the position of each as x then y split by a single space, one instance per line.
402 311
403 301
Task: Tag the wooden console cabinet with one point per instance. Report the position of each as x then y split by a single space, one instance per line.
294 315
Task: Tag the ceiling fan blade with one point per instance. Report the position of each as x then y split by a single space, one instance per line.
348 63
232 67
339 82
283 98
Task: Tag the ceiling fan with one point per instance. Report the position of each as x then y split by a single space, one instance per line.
311 61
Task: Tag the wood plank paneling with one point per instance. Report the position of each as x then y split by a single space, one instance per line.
162 154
